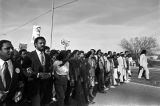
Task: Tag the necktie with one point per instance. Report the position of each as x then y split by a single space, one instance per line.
42 59
7 76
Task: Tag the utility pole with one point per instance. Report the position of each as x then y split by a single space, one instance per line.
53 1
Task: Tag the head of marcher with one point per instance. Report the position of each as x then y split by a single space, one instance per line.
105 54
114 53
68 52
121 54
40 43
98 53
23 53
115 56
143 52
93 51
126 53
53 55
74 54
15 55
62 56
109 53
81 54
118 54
6 49
88 55
47 50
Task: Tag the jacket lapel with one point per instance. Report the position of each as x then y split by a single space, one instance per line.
45 55
14 76
1 85
36 57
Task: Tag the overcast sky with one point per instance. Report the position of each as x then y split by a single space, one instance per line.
98 24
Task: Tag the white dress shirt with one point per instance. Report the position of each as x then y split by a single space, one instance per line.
2 67
10 67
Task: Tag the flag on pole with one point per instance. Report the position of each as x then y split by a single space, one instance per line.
36 32
65 43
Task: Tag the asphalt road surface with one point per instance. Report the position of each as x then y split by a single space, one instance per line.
130 94
154 77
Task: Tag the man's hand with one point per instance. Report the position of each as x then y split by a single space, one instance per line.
44 75
18 96
29 71
3 95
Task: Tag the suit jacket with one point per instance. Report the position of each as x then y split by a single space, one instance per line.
14 86
38 84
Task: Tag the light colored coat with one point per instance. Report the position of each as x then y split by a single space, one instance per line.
143 60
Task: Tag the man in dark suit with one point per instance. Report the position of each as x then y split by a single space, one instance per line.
40 85
9 75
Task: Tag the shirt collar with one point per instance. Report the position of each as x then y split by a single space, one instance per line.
2 61
39 52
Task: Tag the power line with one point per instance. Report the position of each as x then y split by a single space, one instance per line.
48 11
15 29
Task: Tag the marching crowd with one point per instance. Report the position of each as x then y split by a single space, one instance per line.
43 76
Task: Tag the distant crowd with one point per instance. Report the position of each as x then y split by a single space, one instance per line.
43 76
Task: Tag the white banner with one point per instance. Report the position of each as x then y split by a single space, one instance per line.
36 32
22 46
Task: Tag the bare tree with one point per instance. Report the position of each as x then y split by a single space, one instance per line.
137 44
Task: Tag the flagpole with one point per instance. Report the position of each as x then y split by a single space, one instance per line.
53 1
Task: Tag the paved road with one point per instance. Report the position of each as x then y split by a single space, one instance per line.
154 77
130 94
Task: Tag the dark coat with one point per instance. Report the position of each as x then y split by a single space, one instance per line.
84 70
74 69
37 84
15 82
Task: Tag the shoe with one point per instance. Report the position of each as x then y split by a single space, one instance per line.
106 89
91 102
126 81
112 87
